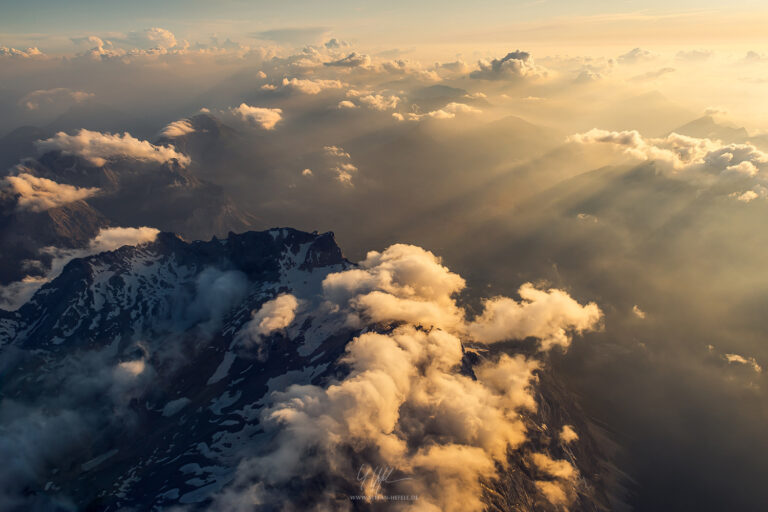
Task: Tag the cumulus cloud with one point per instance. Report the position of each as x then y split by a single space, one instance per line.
639 313
346 104
21 54
404 403
549 315
177 129
99 148
353 60
309 86
406 283
402 388
680 152
449 111
568 434
59 96
748 361
40 194
635 56
513 66
341 165
267 118
378 101
273 315
155 37
747 196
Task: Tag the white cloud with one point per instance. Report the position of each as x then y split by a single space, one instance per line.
554 468
549 315
99 148
39 194
635 56
309 86
50 97
639 313
403 403
273 315
267 118
407 283
447 112
568 434
745 197
341 165
379 102
177 129
153 38
347 104
748 361
513 66
22 54
680 152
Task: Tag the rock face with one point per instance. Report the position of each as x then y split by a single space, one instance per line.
125 384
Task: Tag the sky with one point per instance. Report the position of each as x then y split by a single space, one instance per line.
434 26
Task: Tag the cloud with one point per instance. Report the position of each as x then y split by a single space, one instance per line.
346 104
52 97
554 468
549 315
636 56
267 118
335 44
406 283
402 389
404 403
309 86
379 102
513 66
21 54
449 111
554 492
99 148
353 60
39 194
153 38
177 129
748 361
639 313
273 315
652 75
16 294
293 34
694 55
747 196
341 164
680 152
568 434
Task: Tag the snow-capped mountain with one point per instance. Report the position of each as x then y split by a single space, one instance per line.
181 374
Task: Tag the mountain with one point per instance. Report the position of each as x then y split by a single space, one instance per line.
130 383
24 233
708 128
167 195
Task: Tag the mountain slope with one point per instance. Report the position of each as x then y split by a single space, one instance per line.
151 376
